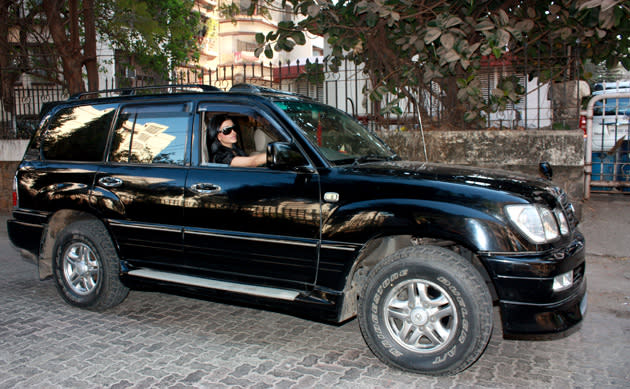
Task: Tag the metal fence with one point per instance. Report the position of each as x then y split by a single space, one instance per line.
20 120
544 105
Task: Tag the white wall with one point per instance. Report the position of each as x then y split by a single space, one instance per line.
12 149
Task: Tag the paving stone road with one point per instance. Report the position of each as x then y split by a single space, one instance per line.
166 341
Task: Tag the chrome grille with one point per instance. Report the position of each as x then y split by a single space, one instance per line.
563 199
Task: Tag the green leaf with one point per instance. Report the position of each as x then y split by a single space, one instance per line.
504 19
524 25
447 40
432 34
452 21
260 38
268 52
472 48
470 116
451 56
288 45
298 37
485 25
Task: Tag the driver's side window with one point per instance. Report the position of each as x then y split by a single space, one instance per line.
251 135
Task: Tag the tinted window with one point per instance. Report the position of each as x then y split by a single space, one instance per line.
152 134
78 133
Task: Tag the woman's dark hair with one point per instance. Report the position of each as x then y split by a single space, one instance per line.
213 131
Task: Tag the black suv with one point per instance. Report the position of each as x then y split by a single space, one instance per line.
122 192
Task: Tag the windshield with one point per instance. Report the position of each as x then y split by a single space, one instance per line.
339 137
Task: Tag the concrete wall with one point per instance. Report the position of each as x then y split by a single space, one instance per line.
11 152
519 151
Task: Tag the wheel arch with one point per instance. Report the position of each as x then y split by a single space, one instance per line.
56 223
379 248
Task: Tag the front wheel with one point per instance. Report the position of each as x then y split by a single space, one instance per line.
86 266
427 310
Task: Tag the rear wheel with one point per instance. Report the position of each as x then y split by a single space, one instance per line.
427 310
86 266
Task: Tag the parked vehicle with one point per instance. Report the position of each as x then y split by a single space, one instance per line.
611 116
121 192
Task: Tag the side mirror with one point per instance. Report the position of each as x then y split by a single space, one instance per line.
284 156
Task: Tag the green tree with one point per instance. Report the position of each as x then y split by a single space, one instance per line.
405 45
158 33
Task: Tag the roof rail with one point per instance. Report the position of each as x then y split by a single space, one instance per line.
251 88
133 91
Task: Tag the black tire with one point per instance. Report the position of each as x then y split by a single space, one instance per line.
442 336
86 267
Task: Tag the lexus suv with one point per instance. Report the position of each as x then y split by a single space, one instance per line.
122 192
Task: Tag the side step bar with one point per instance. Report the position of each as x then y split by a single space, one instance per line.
260 291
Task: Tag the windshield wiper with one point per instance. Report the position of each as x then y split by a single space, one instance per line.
371 158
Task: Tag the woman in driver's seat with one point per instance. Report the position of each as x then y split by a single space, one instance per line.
223 132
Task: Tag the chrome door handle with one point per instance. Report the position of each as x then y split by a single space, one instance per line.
110 182
205 188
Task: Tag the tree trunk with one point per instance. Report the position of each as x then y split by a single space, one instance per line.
7 77
454 109
89 50
67 46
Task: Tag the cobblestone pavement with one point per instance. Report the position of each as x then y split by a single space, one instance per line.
161 340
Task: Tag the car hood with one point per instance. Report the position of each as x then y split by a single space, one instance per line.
510 184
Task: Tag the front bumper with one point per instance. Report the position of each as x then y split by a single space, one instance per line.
524 285
529 319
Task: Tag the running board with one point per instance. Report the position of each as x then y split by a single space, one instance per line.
260 291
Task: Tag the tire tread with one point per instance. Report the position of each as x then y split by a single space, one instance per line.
112 291
466 273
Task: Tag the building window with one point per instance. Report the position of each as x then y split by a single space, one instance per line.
245 46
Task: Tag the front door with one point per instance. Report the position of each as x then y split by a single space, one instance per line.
252 223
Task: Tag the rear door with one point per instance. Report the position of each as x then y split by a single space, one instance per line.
252 224
140 191
59 167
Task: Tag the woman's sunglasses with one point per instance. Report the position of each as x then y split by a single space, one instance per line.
227 130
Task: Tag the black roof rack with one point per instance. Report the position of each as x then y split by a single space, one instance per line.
133 91
251 88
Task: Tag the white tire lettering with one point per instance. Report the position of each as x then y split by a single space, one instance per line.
442 358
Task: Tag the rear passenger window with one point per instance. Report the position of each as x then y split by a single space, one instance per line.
152 134
78 133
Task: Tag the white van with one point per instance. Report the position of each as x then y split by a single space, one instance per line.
611 116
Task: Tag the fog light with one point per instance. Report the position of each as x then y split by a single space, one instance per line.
563 281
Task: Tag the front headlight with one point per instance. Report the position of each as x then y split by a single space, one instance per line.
536 222
562 221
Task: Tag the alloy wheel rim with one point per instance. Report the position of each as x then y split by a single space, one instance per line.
81 268
420 316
